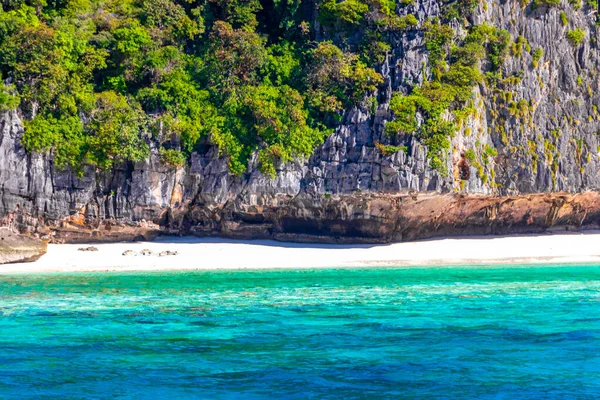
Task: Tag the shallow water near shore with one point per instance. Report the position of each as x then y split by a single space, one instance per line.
495 332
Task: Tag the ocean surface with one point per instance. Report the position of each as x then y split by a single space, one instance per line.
497 333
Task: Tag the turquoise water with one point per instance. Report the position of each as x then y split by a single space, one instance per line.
452 333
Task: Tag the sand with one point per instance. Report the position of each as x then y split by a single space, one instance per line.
214 254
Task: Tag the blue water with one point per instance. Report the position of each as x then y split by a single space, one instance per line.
503 333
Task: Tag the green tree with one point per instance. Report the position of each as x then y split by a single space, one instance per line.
280 122
234 58
114 131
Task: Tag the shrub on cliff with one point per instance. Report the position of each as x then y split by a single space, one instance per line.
172 157
441 102
349 12
576 36
8 99
546 2
337 80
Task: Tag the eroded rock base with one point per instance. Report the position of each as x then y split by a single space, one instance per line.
359 218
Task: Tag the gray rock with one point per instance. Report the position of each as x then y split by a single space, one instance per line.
90 248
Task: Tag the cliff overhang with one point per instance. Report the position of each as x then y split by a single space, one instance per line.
354 218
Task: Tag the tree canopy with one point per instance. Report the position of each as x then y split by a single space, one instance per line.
99 81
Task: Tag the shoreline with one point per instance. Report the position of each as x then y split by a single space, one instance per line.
227 254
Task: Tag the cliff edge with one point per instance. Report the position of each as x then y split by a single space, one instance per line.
524 159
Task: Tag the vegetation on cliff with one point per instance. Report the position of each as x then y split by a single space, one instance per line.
103 81
100 80
456 69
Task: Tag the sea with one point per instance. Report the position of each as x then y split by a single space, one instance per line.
502 332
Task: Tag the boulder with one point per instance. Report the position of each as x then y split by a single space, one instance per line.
18 248
90 248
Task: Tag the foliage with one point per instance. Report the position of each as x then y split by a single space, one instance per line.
239 13
495 41
456 70
184 110
404 109
375 20
337 80
576 36
536 56
234 58
98 80
458 9
374 48
65 135
8 99
563 18
349 12
387 150
546 2
114 128
470 155
280 122
172 157
437 40
378 14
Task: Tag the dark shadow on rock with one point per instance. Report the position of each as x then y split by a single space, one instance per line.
263 242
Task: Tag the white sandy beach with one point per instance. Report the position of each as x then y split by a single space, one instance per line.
212 254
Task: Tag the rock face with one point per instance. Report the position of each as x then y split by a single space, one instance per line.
18 248
545 174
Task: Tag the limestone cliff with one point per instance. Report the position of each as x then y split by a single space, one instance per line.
543 172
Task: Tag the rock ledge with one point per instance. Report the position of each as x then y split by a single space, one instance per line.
17 248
